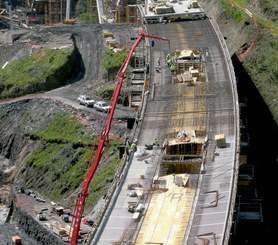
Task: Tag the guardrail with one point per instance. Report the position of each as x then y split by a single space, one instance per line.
231 74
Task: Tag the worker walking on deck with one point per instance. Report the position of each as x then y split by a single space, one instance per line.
156 142
133 146
176 56
192 56
207 54
158 61
173 68
165 144
200 55
168 60
127 146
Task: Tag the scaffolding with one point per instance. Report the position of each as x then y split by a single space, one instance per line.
127 12
55 11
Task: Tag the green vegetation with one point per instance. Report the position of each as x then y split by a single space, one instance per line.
236 14
268 12
30 74
65 149
271 26
112 63
58 165
101 183
266 17
261 64
113 60
106 93
64 129
88 18
46 69
85 13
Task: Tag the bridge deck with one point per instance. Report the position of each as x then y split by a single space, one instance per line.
205 207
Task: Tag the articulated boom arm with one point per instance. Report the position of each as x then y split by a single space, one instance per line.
81 199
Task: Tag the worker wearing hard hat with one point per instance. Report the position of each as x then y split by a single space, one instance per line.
192 56
173 68
133 146
168 60
156 142
158 61
176 56
127 146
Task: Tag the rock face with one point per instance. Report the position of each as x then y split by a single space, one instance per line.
234 33
35 229
240 34
16 120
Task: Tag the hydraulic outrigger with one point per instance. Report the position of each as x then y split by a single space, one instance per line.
103 142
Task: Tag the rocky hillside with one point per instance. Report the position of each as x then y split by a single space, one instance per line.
239 32
44 147
46 139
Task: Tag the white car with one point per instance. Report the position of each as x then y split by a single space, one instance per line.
102 106
86 100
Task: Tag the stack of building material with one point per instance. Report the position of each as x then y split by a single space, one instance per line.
220 140
107 34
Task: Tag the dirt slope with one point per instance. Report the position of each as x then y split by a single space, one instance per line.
18 116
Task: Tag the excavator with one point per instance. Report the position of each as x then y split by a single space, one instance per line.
103 142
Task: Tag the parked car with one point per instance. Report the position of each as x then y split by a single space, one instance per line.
102 106
86 100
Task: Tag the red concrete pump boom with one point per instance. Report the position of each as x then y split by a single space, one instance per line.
103 142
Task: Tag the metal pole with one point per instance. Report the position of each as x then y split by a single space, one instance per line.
9 3
68 10
61 11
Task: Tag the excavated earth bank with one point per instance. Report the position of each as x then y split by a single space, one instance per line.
22 115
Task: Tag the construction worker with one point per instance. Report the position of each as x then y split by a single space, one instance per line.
158 61
192 56
165 143
127 146
156 142
207 54
168 59
147 68
200 55
133 146
173 68
176 56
